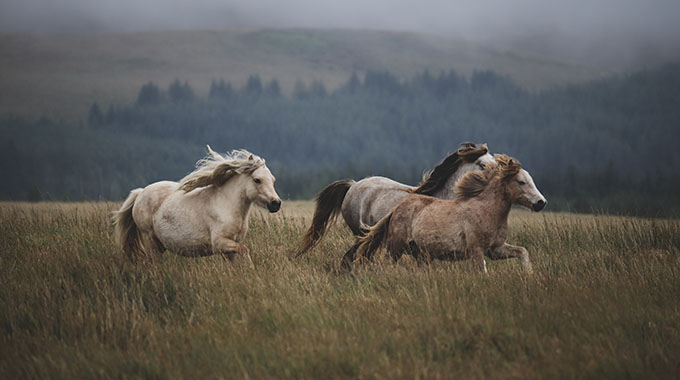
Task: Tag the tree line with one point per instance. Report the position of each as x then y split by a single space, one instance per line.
605 145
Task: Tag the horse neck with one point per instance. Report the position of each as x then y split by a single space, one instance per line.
496 203
231 198
448 191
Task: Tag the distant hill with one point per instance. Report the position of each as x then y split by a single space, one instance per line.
59 76
610 144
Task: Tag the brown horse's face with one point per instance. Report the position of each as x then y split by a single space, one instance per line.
260 189
522 191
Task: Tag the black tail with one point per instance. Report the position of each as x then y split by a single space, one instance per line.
328 205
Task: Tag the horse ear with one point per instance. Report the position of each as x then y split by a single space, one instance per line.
514 167
466 146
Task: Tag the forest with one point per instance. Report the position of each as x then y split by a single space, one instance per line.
608 145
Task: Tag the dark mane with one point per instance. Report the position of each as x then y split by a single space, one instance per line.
436 179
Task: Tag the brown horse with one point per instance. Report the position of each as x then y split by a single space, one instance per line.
365 202
471 226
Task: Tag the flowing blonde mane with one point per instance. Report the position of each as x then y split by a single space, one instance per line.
473 183
436 178
216 169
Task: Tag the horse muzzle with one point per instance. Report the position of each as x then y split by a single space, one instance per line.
538 206
274 205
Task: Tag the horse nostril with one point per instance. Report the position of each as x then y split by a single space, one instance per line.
538 206
274 205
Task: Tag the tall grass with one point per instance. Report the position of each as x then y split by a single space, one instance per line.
604 302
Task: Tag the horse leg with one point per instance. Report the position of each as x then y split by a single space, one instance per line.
396 255
230 248
507 251
349 257
151 244
477 257
418 254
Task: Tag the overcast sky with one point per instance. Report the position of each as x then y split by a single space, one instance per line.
460 16
606 23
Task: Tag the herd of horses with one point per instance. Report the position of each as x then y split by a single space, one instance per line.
459 211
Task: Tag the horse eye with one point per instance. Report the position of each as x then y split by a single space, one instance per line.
257 180
521 183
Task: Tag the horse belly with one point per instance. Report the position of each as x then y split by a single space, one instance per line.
180 229
441 238
443 247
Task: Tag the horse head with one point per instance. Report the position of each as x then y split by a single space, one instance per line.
241 168
260 189
440 182
473 157
519 185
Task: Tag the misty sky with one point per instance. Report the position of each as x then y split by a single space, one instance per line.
652 17
592 24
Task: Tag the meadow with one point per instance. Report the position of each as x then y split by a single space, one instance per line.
604 302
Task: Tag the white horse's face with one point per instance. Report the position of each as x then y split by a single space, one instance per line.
260 189
524 192
478 164
484 160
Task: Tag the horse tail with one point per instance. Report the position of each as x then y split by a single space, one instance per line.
374 239
328 205
126 229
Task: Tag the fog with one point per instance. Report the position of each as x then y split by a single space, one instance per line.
604 32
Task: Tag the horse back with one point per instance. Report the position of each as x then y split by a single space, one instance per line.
370 199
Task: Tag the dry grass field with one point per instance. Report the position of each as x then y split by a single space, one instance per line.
604 302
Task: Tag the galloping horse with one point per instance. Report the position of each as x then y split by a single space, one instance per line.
205 213
365 202
471 226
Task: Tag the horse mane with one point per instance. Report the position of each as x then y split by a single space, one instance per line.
473 183
508 167
435 179
216 169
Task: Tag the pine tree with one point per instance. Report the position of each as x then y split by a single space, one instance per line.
180 92
273 89
149 95
253 86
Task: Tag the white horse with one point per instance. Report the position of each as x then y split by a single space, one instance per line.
205 213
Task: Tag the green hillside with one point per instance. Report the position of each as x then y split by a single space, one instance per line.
60 75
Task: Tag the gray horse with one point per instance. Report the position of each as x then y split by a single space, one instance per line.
365 202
